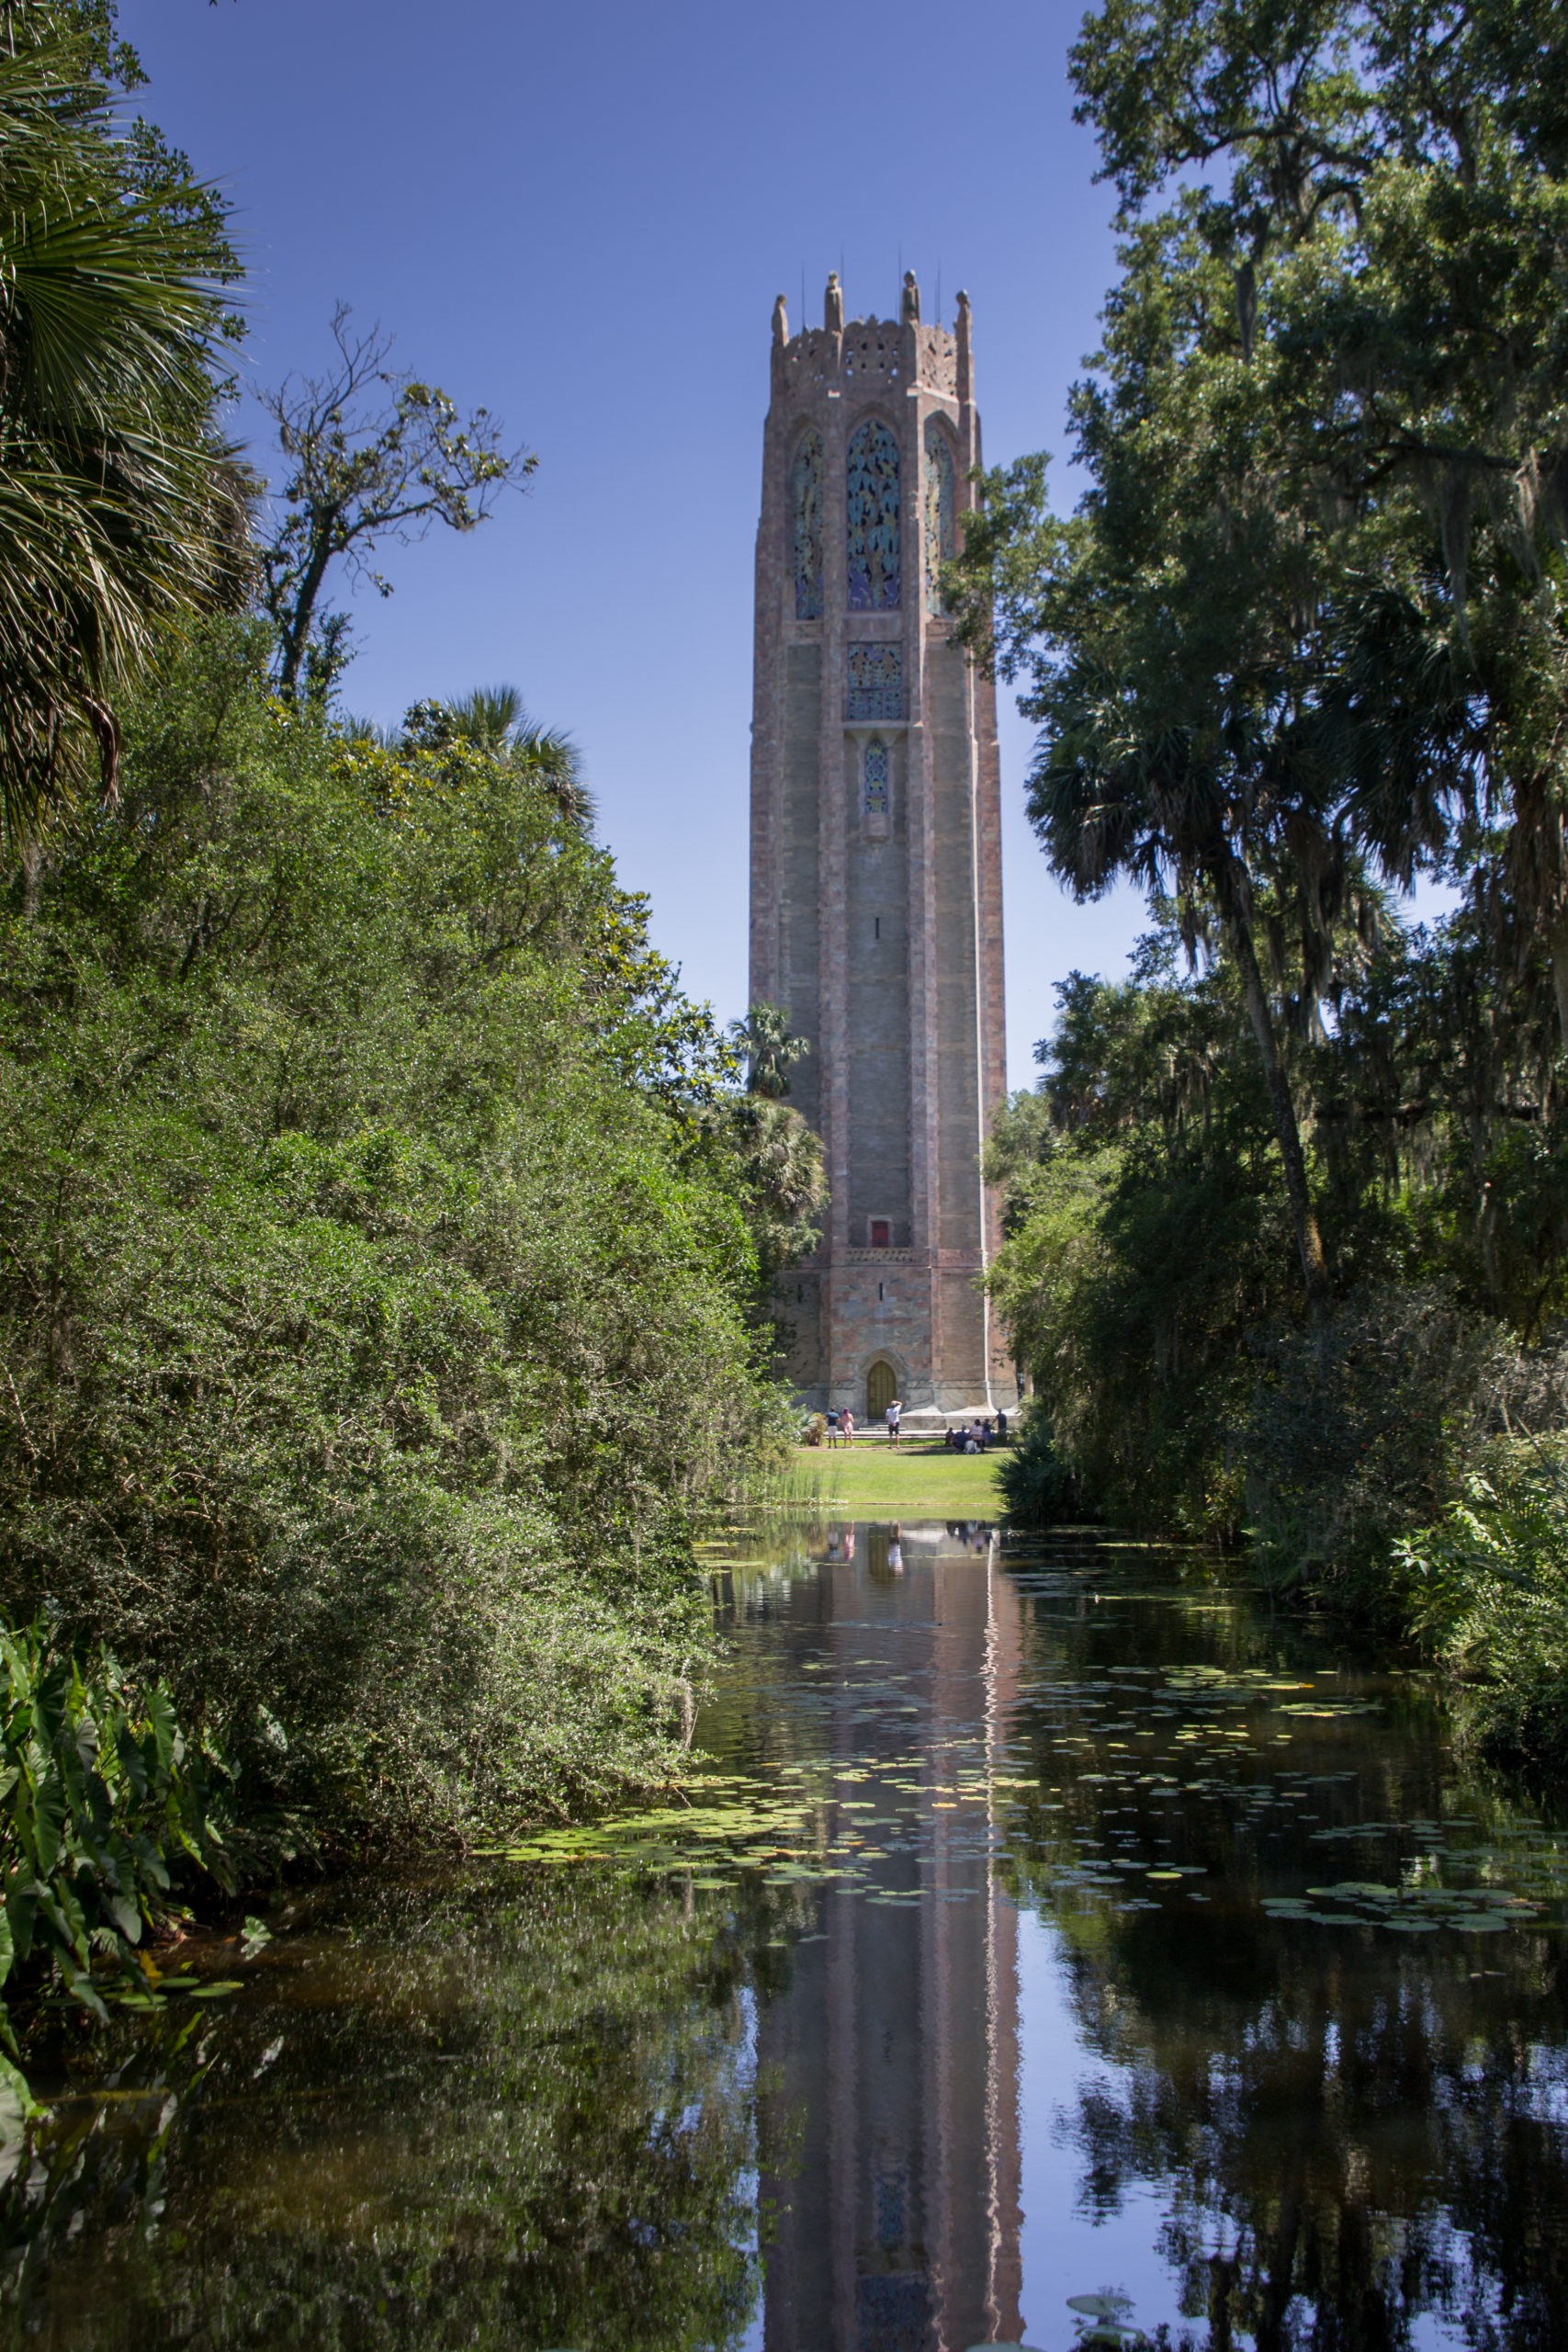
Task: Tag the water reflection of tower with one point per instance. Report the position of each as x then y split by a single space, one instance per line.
891 2131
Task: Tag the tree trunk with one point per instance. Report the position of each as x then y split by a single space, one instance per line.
1304 1217
296 628
1559 977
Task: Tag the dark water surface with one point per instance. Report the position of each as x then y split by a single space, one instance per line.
1058 1923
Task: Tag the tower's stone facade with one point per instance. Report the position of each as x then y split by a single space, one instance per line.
877 912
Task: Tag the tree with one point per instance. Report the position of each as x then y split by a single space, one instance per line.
395 1328
494 720
1311 605
371 454
121 510
1392 228
771 1053
783 1169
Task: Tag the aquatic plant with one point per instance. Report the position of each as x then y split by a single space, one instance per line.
104 1804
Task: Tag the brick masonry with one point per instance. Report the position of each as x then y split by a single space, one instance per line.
880 931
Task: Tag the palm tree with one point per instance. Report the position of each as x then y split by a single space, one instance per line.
771 1051
493 720
120 512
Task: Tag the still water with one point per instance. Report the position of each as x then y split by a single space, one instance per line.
1065 1948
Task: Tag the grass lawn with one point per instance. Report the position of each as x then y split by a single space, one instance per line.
909 1481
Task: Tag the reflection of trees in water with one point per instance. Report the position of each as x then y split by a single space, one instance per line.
1358 2144
1350 2127
502 2116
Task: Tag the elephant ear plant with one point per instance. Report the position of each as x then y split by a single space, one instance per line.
103 1801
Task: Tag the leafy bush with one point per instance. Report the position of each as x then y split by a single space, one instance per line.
1360 1430
374 1298
102 1802
1039 1489
1488 1584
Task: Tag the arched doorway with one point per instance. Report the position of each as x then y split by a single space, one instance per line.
881 1388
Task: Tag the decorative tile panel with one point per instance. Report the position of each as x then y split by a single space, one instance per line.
805 487
874 681
940 533
873 519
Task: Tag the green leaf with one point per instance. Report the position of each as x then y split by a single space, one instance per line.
166 1728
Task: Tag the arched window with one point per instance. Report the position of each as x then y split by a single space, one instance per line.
876 774
942 538
806 493
873 519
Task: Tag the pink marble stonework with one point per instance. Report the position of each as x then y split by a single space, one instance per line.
876 902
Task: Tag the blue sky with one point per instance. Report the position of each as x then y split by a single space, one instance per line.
581 216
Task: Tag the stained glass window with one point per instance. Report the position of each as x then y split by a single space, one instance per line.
942 543
874 682
872 486
876 773
807 492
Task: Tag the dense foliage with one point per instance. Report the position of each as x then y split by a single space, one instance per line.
101 1799
121 510
375 1295
1150 1283
1289 1226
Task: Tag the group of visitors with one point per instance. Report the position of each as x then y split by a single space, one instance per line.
841 1423
978 1435
974 1437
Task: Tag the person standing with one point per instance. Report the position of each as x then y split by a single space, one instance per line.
832 1427
847 1426
895 1415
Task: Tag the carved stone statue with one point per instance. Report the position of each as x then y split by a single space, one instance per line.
833 305
911 299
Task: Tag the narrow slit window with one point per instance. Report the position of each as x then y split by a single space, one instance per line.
875 780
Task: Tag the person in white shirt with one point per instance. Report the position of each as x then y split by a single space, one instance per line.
895 1415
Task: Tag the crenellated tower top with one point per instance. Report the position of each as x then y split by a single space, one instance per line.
866 354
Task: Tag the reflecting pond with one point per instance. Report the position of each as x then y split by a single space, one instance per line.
1062 1948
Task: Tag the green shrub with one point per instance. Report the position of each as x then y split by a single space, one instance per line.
374 1298
1488 1586
103 1805
1360 1430
1038 1487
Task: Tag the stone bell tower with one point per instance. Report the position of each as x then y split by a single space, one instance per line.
876 906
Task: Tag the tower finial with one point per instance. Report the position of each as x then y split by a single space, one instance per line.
833 305
780 321
911 312
966 360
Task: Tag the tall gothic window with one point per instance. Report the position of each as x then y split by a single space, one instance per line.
941 539
806 491
873 551
876 774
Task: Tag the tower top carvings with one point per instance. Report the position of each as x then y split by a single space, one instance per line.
840 355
